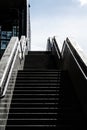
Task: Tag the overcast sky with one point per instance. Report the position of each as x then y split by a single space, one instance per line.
60 18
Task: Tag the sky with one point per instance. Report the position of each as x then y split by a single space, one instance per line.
60 18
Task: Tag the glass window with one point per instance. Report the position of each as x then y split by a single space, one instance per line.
9 35
3 35
3 44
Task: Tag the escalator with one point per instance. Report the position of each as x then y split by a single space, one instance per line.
44 96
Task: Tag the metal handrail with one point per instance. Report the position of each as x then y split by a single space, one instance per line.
79 66
15 46
68 42
7 65
23 47
51 44
56 47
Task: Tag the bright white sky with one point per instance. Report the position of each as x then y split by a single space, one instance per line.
83 2
60 18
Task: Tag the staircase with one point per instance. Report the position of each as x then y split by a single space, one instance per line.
43 96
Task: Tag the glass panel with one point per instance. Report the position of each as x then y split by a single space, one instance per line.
14 30
3 35
9 35
3 44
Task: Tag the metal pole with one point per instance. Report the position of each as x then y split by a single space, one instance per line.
28 26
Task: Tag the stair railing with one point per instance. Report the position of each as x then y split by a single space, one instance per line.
14 50
56 47
49 44
78 55
53 46
23 47
74 60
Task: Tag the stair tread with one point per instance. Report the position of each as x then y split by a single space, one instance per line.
40 100
42 95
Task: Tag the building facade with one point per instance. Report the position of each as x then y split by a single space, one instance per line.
14 21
